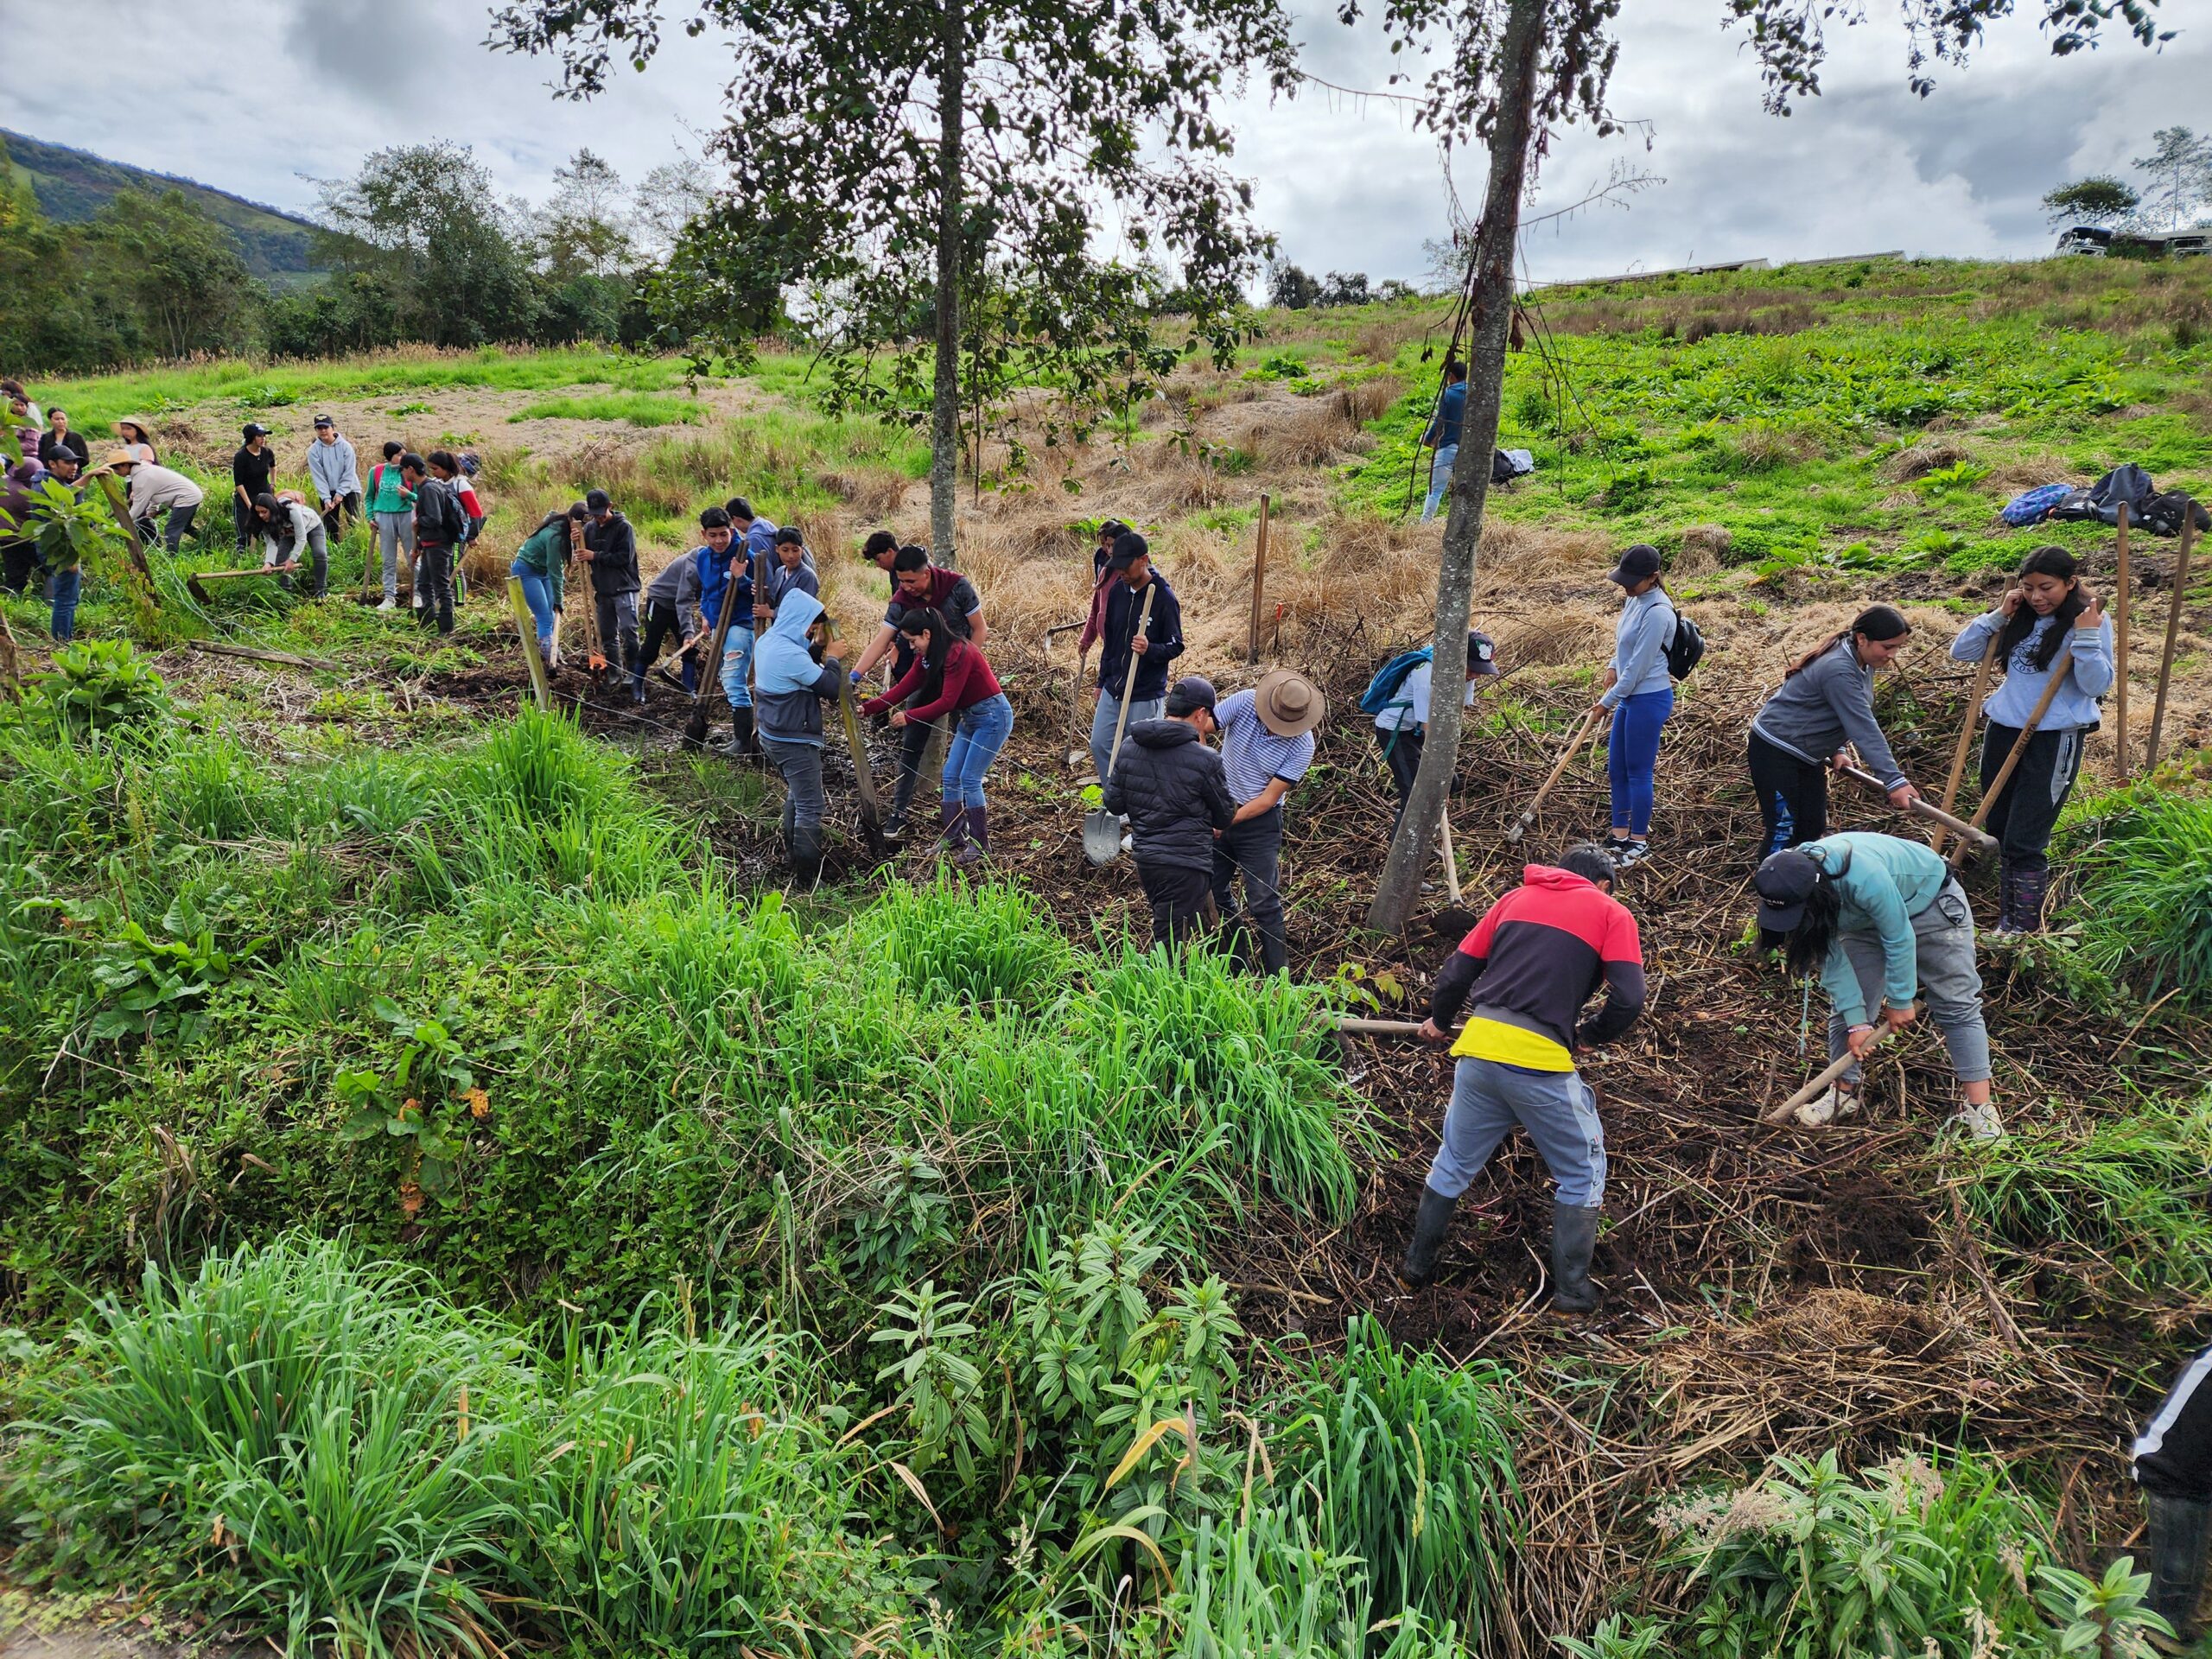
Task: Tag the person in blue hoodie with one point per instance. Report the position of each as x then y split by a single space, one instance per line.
792 679
1639 694
724 578
2050 624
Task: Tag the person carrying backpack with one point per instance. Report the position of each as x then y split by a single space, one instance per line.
1398 699
438 526
1639 694
2049 615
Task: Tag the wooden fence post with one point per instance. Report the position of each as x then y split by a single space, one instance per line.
1259 583
2119 651
528 624
2173 630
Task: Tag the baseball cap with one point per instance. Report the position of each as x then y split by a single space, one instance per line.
1785 881
596 500
1129 547
256 430
1189 694
324 420
1482 653
1637 564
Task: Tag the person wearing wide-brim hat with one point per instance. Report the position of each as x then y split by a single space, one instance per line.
137 437
1267 744
156 490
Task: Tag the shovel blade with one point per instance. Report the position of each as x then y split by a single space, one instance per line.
1101 836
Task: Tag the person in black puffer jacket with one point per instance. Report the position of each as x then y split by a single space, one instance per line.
1171 788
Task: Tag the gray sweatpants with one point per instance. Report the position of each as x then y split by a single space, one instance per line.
1557 1108
394 531
1942 939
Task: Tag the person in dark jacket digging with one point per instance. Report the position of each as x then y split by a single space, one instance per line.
2173 1466
1130 573
611 549
1174 791
1527 969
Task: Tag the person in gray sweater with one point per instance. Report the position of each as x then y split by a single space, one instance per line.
1825 702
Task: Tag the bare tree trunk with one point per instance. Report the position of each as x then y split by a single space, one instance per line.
944 411
1490 325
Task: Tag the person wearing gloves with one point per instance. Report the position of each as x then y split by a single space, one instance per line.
157 490
541 566
1525 971
336 476
289 528
1825 700
1639 694
1172 789
792 679
1881 919
950 679
1267 744
1129 573
2049 615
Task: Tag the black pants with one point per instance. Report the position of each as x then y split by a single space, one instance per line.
1179 897
1793 796
618 623
1254 847
1401 754
913 745
2027 812
243 521
179 527
347 510
433 584
2173 1454
18 558
662 624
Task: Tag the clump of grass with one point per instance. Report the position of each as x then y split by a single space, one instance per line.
638 409
983 944
2143 858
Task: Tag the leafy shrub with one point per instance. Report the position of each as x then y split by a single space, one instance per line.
94 685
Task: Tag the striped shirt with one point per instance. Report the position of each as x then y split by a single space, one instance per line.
1252 755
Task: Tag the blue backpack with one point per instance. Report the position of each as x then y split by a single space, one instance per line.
1382 690
2032 507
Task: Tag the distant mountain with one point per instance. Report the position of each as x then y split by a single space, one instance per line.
71 186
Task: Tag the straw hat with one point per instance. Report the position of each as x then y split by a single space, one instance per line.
116 458
145 427
1288 703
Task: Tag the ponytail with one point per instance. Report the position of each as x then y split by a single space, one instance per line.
2044 562
1880 623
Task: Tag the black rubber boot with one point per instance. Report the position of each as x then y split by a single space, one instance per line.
2029 898
1574 1240
742 740
952 827
2008 899
2179 1535
806 850
1430 1222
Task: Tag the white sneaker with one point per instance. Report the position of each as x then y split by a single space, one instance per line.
1128 843
1824 1109
1631 853
387 604
417 602
1978 1122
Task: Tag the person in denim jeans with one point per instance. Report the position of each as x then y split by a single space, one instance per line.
542 565
1443 435
949 677
1639 694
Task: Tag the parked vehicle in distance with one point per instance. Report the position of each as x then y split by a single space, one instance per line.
2090 240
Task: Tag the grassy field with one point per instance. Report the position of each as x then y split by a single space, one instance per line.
463 1197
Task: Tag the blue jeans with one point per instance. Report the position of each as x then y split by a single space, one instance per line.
1102 725
977 741
1632 755
737 664
65 586
1556 1107
538 595
1440 479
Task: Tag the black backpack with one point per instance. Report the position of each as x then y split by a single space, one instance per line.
1686 649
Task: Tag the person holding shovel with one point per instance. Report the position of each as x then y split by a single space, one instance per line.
1639 694
541 566
2049 617
726 578
290 528
919 585
1826 701
1527 969
611 549
1881 919
672 615
949 679
336 476
1267 744
793 680
1131 572
1172 790
157 490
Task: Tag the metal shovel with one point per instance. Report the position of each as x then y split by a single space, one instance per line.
1102 830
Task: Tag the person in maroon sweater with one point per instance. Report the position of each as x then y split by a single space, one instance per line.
1527 966
949 677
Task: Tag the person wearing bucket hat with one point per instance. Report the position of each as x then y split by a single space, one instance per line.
1267 744
1172 789
1639 694
1881 921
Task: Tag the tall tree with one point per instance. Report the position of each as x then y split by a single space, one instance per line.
2180 166
1512 71
2100 198
587 223
670 197
893 158
180 266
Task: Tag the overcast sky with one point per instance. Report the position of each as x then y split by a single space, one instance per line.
251 95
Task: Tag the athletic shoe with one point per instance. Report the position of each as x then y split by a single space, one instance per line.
388 605
1617 851
1129 844
1976 1122
1631 853
1824 1109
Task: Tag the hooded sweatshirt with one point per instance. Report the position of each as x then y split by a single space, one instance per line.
789 685
1882 882
1175 791
1532 962
546 551
2085 659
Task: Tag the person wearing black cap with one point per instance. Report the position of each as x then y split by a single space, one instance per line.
336 475
1130 567
1174 791
1825 702
611 549
1881 919
1402 728
253 473
1639 695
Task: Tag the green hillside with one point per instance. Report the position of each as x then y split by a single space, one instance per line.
71 186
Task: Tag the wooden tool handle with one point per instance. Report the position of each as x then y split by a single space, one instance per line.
1528 813
1836 1069
1129 682
1930 811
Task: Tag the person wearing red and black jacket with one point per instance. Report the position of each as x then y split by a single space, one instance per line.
1526 970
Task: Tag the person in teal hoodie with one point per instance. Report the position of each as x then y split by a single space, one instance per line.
2050 624
791 679
1882 919
391 510
541 566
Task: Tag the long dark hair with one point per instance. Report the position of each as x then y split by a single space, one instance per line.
940 647
1880 623
1807 949
2044 562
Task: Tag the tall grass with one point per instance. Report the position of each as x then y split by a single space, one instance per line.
948 939
2144 861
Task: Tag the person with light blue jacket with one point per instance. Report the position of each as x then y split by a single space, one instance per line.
1639 694
2050 625
1881 919
791 679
